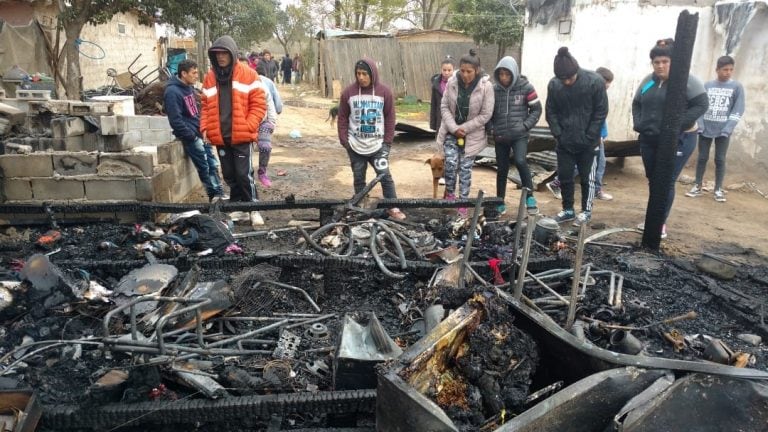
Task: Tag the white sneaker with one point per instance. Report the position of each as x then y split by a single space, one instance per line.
256 219
720 195
694 192
441 182
239 216
605 196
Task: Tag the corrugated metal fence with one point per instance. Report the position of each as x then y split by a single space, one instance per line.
406 66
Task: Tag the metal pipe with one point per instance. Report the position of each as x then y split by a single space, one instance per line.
576 273
547 287
526 255
518 223
477 276
266 232
311 242
586 278
617 302
310 321
611 289
293 288
470 237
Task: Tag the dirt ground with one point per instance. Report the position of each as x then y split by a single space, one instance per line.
316 166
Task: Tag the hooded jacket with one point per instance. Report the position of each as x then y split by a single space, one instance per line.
576 113
366 115
183 112
480 111
434 104
517 107
237 121
650 98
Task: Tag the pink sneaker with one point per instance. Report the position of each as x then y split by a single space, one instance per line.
463 212
264 180
449 196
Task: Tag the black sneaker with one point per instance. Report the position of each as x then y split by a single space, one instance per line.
565 216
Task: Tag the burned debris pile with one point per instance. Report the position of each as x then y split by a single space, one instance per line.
193 324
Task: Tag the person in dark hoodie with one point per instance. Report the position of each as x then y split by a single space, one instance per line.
516 110
183 113
648 111
234 105
366 127
576 107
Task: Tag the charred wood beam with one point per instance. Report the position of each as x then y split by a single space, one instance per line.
661 179
202 411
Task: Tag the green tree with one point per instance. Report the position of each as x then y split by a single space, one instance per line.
431 14
294 24
247 21
490 21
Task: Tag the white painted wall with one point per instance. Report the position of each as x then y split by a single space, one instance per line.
620 34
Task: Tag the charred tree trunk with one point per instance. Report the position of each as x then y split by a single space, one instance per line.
661 179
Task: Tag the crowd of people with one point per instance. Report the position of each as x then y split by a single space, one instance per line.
240 105
575 110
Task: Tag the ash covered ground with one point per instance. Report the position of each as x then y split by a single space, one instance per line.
655 287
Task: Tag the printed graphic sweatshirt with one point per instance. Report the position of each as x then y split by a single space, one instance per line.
366 115
726 106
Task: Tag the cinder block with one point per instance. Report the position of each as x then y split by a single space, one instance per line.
184 185
57 106
29 165
162 183
74 143
142 161
101 108
121 142
156 136
63 127
136 122
113 125
74 163
110 189
44 144
144 189
17 189
92 141
159 122
33 94
170 152
80 108
57 189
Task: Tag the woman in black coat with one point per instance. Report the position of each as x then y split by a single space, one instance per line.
439 82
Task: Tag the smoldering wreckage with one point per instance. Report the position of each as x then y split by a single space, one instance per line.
364 323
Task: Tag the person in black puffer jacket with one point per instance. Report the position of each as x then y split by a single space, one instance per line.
577 105
516 110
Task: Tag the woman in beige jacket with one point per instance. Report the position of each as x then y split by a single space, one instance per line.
466 107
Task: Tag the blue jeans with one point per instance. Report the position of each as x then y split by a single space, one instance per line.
686 143
207 166
600 167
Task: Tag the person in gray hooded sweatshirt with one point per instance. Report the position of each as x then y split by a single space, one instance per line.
516 110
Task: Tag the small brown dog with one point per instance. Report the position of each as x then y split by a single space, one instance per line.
437 164
333 112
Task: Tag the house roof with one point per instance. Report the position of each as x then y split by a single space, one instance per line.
349 34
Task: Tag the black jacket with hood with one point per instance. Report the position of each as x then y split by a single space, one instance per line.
576 113
517 107
434 104
650 98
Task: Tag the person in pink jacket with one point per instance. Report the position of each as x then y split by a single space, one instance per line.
466 107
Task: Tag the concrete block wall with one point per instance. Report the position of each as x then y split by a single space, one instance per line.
96 158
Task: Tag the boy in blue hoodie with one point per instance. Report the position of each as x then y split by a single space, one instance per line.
184 116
